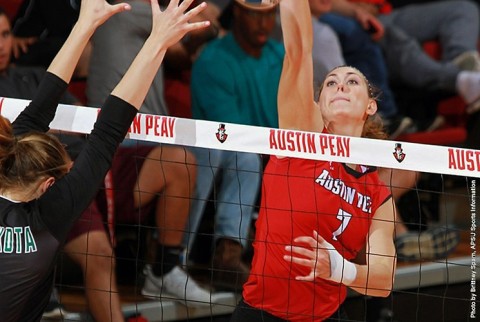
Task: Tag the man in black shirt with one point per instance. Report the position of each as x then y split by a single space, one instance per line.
40 28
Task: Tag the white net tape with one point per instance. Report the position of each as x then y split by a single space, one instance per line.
308 145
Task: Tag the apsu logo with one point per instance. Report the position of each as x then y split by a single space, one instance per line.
398 153
221 133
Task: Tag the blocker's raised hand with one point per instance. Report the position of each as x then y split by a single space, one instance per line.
93 13
170 25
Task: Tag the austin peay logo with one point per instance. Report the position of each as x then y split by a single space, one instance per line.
398 153
221 133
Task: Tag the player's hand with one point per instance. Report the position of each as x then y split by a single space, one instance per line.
93 13
314 256
170 25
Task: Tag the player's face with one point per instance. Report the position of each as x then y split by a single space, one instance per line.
255 26
345 93
6 40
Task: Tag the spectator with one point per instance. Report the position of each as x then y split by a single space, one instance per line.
433 242
40 28
107 52
235 79
366 55
455 24
245 166
327 51
130 30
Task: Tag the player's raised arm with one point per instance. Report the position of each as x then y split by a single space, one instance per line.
296 107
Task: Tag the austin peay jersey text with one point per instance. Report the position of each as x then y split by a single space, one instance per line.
298 197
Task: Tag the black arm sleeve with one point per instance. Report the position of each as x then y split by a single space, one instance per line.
41 110
63 203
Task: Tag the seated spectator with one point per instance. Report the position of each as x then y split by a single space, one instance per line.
360 52
227 74
40 28
131 30
235 79
135 26
327 51
455 24
17 81
433 242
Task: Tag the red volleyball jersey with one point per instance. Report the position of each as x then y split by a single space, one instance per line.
298 197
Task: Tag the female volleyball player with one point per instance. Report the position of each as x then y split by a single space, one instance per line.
316 216
41 192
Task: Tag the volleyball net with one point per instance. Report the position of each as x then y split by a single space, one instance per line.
443 197
299 144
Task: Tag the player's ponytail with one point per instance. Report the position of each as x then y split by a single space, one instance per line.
6 137
28 158
374 128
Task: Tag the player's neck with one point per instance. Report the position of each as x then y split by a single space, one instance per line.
17 196
10 198
339 128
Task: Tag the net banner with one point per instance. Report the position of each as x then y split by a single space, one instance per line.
291 143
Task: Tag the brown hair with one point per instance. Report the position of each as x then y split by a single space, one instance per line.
373 127
27 158
6 136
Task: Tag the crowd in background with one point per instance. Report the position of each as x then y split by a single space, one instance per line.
230 72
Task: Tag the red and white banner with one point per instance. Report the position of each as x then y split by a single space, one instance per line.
299 144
